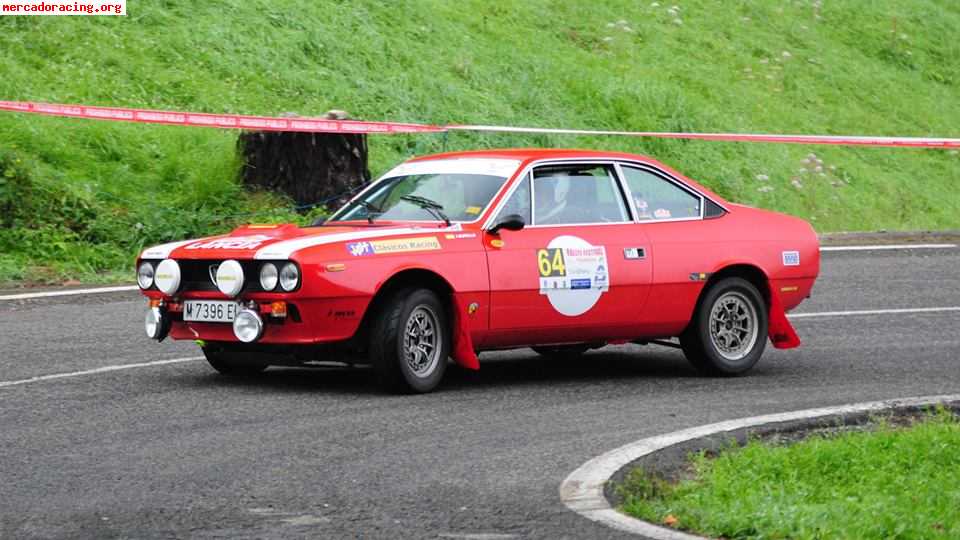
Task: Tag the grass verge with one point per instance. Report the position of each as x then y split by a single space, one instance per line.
889 482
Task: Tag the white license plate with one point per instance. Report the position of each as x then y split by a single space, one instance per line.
210 310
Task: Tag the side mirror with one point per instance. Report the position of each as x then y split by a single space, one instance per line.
513 222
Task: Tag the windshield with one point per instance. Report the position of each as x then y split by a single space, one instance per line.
462 196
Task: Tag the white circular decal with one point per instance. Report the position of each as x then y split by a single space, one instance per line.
573 274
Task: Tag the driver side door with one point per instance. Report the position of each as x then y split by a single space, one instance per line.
579 271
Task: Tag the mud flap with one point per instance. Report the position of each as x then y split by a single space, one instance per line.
781 332
463 352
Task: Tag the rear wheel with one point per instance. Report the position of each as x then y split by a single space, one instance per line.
563 353
234 364
729 330
410 342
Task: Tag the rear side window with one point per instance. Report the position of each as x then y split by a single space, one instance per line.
656 198
571 194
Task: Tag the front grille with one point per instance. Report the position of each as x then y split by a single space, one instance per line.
195 275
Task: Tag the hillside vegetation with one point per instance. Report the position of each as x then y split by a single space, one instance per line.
78 198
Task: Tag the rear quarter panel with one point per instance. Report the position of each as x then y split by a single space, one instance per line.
686 253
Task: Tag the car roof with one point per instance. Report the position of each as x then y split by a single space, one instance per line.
526 155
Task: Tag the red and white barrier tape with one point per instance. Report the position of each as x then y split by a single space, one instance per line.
229 121
844 140
321 125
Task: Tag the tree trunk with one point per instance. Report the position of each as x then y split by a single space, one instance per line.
310 168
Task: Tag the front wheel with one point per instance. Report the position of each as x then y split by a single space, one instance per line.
233 364
410 342
729 329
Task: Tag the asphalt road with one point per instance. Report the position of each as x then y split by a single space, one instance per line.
178 451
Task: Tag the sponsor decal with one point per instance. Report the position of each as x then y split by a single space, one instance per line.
342 314
661 213
457 236
399 245
558 263
700 276
472 210
791 258
231 242
358 249
580 284
472 308
496 242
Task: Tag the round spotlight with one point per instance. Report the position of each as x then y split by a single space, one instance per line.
145 275
248 326
153 322
230 278
167 276
289 277
268 276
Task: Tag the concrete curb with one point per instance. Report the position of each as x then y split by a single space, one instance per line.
583 490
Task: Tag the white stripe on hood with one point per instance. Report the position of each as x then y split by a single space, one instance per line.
286 248
163 250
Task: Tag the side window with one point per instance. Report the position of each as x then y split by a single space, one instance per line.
569 194
519 202
656 198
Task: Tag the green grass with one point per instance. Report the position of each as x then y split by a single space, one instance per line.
857 67
888 483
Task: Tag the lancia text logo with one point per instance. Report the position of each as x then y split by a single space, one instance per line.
212 270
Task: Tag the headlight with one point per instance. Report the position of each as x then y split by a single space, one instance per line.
268 277
289 277
230 277
248 326
145 275
167 276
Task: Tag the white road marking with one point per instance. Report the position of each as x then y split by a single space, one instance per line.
872 312
582 491
479 536
888 246
69 292
105 369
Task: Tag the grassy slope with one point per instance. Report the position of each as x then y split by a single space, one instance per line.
862 67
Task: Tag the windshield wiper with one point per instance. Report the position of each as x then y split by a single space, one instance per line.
435 208
372 210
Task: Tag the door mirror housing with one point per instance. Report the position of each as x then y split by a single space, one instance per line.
512 222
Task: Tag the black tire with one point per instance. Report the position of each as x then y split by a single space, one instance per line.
234 364
388 348
562 353
706 351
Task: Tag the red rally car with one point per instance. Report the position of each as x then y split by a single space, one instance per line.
452 254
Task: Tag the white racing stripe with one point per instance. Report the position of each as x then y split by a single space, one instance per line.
105 369
69 292
283 250
872 312
882 247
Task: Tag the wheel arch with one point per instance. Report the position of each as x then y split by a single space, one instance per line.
401 279
747 271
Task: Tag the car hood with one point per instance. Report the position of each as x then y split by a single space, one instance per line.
272 242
